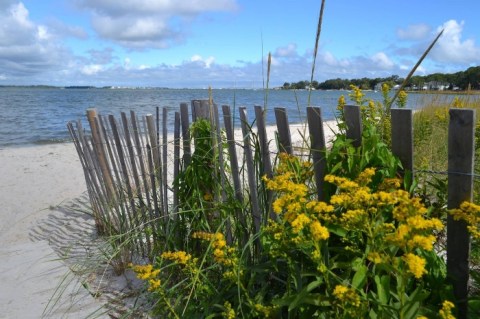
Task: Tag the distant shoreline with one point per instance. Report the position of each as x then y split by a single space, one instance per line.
446 92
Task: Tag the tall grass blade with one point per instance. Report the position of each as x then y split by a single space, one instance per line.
317 40
415 68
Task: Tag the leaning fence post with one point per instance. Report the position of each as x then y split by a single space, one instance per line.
318 147
265 153
402 137
228 123
250 170
100 151
353 120
461 148
187 155
284 138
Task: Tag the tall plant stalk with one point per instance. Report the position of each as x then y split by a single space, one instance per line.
315 51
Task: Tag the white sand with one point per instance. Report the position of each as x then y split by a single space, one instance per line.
34 180
38 185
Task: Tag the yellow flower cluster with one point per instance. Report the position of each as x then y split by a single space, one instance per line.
356 95
470 213
148 273
180 257
375 257
446 311
347 295
416 265
402 98
457 103
304 216
266 311
229 313
341 103
222 254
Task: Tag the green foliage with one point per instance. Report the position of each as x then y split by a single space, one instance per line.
366 251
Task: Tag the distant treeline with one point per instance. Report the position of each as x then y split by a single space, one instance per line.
462 80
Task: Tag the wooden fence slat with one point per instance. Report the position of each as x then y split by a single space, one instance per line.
131 153
138 191
266 165
256 216
156 160
353 120
97 211
232 152
176 160
154 221
317 147
284 137
113 159
221 162
402 136
144 222
461 152
164 162
100 193
123 164
187 153
100 152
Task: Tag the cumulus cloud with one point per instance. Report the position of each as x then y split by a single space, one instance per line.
25 47
452 48
289 50
414 32
91 69
382 61
141 24
201 61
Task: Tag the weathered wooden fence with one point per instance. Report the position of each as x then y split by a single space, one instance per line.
127 165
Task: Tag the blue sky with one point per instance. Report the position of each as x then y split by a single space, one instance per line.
224 43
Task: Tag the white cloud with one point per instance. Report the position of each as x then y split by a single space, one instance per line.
414 32
382 61
289 50
451 48
91 69
26 48
207 63
42 33
140 24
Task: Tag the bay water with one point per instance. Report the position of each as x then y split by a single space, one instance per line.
30 115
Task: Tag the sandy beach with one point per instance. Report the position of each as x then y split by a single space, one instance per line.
37 184
44 224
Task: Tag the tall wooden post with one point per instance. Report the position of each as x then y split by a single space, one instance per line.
318 147
402 137
353 120
461 150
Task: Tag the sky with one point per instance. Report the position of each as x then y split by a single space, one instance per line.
225 43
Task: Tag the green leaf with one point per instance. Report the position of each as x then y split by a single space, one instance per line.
360 277
383 288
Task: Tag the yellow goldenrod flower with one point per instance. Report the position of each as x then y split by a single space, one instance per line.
346 295
341 103
318 231
208 197
180 257
446 311
300 222
229 313
153 284
375 258
416 265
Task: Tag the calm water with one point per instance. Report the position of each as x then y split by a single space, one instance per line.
36 116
